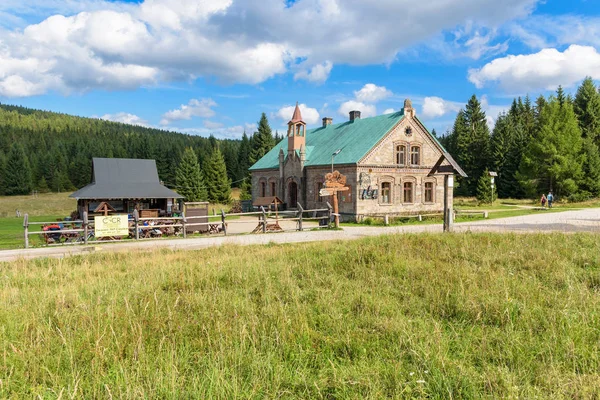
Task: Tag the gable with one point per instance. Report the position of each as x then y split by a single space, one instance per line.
384 153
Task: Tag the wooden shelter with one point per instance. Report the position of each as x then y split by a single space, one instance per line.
121 185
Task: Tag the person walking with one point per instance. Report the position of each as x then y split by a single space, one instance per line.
543 200
550 199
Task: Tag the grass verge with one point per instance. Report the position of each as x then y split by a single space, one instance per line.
406 316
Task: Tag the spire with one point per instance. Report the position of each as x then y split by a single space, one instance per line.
297 117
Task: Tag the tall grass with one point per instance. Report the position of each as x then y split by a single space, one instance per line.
413 316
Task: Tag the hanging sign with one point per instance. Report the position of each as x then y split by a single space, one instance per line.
111 225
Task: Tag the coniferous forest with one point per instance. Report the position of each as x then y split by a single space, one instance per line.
551 143
48 151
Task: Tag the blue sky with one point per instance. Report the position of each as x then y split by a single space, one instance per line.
213 66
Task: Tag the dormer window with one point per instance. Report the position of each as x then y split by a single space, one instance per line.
401 154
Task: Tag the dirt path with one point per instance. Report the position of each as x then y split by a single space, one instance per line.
584 220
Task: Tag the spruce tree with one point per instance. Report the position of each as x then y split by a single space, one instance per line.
2 172
217 182
590 182
262 140
189 179
484 188
478 142
553 159
17 174
459 142
587 108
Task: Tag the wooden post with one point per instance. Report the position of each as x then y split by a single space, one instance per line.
329 215
26 226
386 220
264 227
136 221
300 212
448 217
85 226
336 210
183 221
223 222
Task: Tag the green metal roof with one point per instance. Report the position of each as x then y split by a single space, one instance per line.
355 139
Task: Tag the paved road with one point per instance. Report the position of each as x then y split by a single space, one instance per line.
586 220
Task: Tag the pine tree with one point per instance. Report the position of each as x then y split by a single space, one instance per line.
217 182
587 108
17 176
189 179
262 140
484 188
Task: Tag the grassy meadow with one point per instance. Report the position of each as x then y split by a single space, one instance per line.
405 316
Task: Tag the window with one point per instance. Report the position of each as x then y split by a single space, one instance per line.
263 189
408 131
408 192
428 192
317 195
415 155
401 154
386 191
273 189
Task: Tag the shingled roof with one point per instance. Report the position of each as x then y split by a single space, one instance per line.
124 178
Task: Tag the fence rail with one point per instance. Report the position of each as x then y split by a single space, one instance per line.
84 235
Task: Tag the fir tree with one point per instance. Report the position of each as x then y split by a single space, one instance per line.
17 174
484 188
262 140
217 182
552 160
189 179
587 108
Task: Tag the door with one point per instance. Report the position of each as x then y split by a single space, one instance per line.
293 191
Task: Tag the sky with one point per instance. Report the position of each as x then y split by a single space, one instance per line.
213 66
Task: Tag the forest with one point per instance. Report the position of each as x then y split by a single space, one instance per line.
47 151
550 145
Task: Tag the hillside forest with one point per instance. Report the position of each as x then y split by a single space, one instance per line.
550 144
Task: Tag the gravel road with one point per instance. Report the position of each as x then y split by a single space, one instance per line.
585 220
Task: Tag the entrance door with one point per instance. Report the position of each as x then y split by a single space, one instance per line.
293 191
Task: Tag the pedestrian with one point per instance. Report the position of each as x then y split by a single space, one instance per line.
550 199
543 200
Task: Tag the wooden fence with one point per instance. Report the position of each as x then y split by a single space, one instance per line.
82 231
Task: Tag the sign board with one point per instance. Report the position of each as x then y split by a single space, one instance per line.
325 192
111 225
450 181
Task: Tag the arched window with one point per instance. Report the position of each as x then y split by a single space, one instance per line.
408 192
386 192
400 154
429 192
415 155
273 188
263 189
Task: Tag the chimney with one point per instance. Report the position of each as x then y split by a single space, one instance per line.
354 115
327 121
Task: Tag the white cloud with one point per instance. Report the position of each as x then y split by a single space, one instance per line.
95 44
366 110
543 31
317 74
212 125
389 111
125 118
371 93
309 115
434 107
195 108
543 70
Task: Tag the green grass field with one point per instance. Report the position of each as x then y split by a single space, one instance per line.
411 316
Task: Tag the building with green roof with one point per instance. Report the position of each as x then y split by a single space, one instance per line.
388 162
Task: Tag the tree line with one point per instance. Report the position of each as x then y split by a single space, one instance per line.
550 145
52 152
